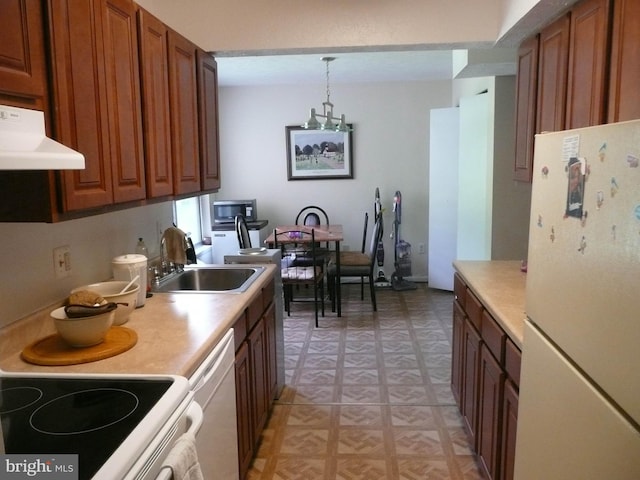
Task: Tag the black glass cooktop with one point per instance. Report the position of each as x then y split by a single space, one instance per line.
90 417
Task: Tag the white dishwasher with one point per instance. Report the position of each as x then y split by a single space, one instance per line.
214 384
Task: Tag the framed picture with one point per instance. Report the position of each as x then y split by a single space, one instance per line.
318 154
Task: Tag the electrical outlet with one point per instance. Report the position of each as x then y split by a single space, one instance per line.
421 248
62 261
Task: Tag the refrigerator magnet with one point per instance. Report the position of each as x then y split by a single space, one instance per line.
632 161
539 220
575 187
583 245
599 199
614 186
545 171
602 153
552 236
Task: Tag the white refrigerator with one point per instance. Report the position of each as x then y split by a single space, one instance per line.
579 406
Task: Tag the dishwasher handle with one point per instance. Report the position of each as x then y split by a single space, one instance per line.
195 418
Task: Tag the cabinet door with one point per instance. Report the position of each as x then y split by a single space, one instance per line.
552 76
457 353
156 117
470 379
23 74
208 113
624 101
271 353
489 412
80 100
123 100
586 79
184 114
258 355
509 430
526 87
244 409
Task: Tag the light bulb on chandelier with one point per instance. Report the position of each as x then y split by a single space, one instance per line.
327 111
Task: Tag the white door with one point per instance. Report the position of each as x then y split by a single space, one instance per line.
443 195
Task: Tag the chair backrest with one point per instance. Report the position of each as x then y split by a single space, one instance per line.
244 240
376 236
312 215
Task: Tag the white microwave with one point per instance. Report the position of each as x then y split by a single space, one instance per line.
225 211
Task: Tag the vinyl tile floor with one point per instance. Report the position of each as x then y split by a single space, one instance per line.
368 395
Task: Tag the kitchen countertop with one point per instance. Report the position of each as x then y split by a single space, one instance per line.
500 286
175 333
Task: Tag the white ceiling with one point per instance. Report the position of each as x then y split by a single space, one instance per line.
348 67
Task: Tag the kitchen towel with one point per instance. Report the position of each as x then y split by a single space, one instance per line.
183 459
175 242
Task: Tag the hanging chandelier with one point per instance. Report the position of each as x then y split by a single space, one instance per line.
327 111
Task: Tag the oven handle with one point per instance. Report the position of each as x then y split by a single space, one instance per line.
194 419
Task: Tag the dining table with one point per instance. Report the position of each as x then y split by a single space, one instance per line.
301 234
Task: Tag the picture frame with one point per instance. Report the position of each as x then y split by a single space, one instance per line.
319 154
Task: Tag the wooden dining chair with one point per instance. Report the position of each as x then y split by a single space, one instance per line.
242 231
295 275
312 215
357 264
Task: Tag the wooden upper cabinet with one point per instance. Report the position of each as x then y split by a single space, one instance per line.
23 81
526 88
97 100
587 77
123 96
208 109
183 94
553 60
624 98
154 69
80 100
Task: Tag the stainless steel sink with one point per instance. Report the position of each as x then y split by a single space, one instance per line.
210 279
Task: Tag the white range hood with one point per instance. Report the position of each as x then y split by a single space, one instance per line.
24 144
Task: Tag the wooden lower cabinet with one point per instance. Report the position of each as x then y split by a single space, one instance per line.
471 355
485 377
509 429
490 393
256 374
243 408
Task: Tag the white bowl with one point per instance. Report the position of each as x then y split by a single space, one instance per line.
110 291
83 331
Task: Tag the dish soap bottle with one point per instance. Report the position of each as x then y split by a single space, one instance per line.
141 248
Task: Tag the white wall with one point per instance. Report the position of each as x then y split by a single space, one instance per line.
390 148
27 275
249 25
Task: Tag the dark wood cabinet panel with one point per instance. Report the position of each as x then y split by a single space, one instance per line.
471 345
258 354
256 373
97 100
553 60
154 71
489 412
244 409
208 112
624 99
587 73
183 94
509 430
122 77
23 75
271 352
457 352
80 100
526 88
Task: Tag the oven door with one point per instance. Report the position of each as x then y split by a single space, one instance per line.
113 423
